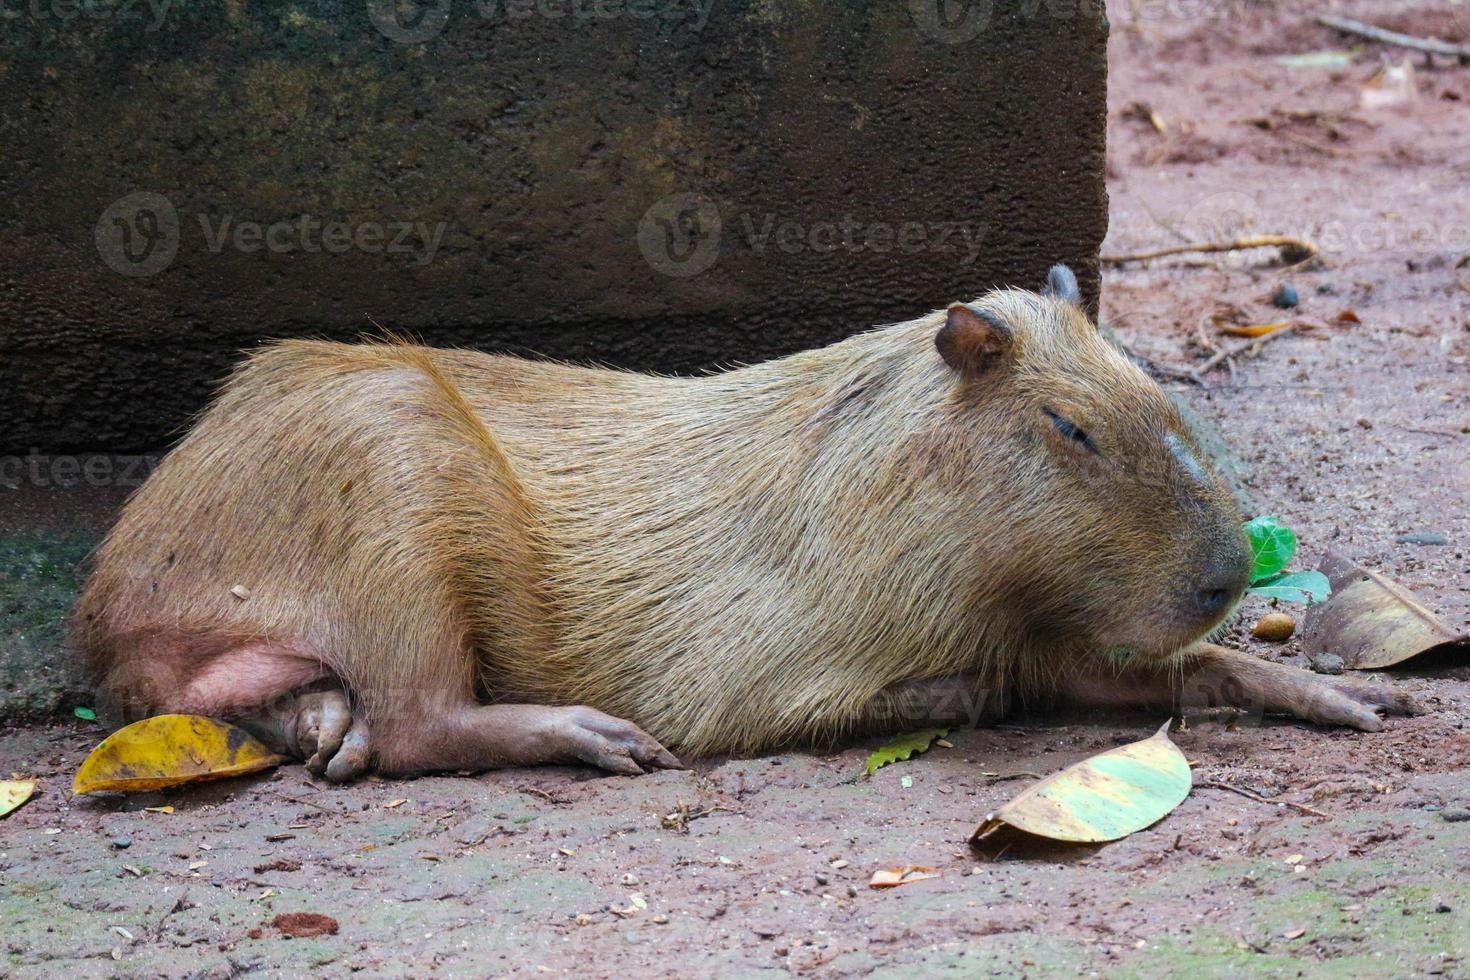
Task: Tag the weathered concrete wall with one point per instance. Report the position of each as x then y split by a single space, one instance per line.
664 184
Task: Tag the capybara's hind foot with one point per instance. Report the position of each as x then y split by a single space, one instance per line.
607 742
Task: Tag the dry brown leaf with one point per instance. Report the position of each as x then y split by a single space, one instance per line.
1371 621
893 877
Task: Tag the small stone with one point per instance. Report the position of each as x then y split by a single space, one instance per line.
240 592
1423 537
1365 423
821 879
1285 296
1442 908
630 879
1456 814
122 843
852 891
1327 663
1274 627
661 920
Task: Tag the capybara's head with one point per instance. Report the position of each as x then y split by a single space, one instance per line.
1115 533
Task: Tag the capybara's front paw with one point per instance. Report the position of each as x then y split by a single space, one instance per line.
1352 702
607 742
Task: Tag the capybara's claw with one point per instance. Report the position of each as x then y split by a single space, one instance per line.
322 720
611 743
1354 703
354 755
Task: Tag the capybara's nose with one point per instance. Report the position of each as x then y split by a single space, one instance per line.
1212 600
1221 586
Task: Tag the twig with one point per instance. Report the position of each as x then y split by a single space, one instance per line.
179 905
1004 777
1310 144
1284 242
1240 348
1313 811
1430 432
303 802
1427 45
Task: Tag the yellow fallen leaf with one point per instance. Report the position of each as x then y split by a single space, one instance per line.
1252 329
893 877
158 809
1108 796
168 750
393 804
14 792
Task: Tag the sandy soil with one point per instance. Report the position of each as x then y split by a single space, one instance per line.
1357 434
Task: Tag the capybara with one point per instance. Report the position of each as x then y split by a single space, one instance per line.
416 559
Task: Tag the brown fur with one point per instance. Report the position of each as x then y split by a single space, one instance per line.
731 562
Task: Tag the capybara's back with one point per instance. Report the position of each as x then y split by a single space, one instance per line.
438 559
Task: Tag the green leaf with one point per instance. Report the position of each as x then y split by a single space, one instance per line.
1272 545
902 748
1320 59
86 714
1305 587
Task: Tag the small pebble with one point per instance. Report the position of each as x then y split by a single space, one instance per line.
1442 908
630 879
1365 423
1274 627
1423 537
821 879
122 843
1285 296
1455 815
1327 663
661 920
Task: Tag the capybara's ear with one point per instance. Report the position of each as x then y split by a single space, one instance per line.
1061 284
972 341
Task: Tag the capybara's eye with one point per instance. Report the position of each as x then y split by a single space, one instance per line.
1070 431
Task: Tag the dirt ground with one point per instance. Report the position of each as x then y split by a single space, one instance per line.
1356 434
